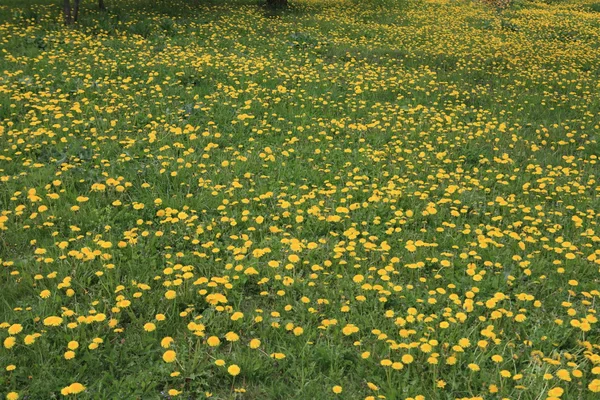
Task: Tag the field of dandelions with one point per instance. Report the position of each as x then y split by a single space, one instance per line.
345 200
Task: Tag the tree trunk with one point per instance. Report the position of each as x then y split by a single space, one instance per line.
101 5
67 11
277 3
76 10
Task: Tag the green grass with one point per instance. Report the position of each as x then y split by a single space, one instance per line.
424 171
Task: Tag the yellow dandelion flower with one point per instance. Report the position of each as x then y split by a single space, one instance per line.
594 386
397 366
166 342
15 329
53 321
213 341
349 329
169 356
555 392
298 331
473 367
9 342
149 327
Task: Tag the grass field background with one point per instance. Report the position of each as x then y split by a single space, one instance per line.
355 200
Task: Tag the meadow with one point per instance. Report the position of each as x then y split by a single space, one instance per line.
343 200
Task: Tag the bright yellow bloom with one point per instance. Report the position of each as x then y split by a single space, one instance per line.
594 386
169 356
349 329
213 341
555 392
53 321
73 388
15 329
233 370
149 327
473 367
9 342
237 315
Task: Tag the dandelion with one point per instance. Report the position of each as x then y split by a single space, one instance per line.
149 327
555 392
169 356
298 331
74 388
563 374
9 342
233 370
170 294
53 321
29 340
474 367
349 329
407 359
594 386
237 316
397 365
213 341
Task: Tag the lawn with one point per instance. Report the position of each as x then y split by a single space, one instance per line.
378 199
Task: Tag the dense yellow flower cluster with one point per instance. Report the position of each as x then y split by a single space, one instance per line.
347 200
